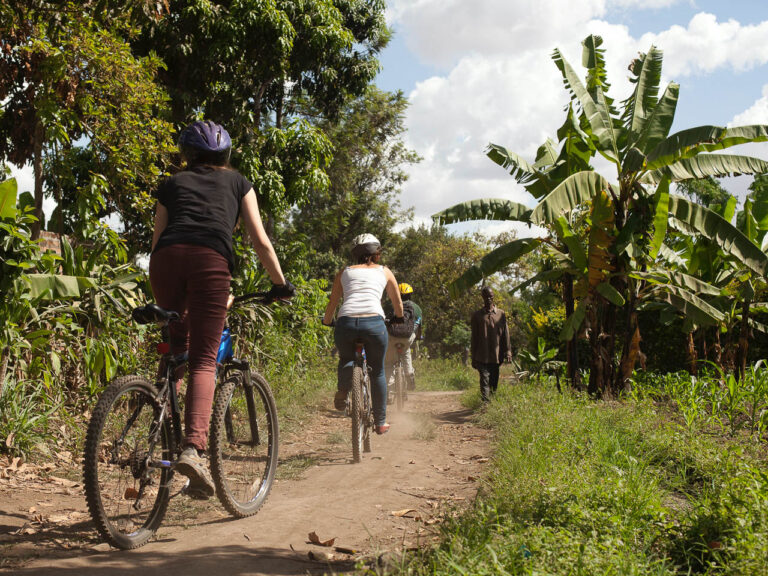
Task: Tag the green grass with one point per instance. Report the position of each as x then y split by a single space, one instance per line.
443 374
584 487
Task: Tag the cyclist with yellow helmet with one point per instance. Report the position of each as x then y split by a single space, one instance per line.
410 307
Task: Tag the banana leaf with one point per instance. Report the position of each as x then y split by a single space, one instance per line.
573 242
705 165
692 307
484 209
598 115
492 262
691 142
58 286
639 107
610 293
669 255
680 279
660 219
726 236
573 322
576 190
759 326
543 276
546 155
8 191
658 125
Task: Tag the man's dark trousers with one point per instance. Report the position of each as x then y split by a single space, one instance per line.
489 379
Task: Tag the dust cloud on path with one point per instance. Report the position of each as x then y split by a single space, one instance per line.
427 465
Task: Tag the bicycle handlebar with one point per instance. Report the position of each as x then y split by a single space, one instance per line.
261 296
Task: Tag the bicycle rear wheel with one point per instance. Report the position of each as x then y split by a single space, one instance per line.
126 484
358 413
244 437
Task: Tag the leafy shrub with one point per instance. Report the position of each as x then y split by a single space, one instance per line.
25 407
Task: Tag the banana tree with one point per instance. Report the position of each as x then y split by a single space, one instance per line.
550 168
628 217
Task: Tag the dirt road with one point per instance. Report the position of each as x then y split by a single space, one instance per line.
426 466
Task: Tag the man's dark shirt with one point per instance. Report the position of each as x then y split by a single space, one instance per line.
490 336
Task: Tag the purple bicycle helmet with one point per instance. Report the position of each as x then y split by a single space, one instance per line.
205 142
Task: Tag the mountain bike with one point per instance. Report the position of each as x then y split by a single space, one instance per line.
135 435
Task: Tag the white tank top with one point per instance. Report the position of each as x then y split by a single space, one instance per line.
362 291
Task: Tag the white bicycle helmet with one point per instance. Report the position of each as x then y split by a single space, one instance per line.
365 244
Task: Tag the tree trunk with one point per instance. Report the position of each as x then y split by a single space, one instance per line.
571 352
37 166
743 338
691 356
595 362
631 350
601 337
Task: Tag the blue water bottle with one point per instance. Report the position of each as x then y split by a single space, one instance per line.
225 346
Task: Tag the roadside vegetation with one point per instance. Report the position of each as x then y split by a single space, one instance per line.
612 488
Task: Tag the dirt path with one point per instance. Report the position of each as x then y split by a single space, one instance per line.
427 465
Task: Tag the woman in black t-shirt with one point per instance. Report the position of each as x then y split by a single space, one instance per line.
190 271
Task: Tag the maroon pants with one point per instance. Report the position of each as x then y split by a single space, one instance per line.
194 281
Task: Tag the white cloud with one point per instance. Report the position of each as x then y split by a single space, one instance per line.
707 45
755 114
500 84
441 32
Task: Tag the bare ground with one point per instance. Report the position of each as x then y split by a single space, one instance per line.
427 466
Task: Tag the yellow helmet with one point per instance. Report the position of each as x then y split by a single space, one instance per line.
405 288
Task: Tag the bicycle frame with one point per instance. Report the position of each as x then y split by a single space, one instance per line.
170 363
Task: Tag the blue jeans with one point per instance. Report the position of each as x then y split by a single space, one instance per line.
372 331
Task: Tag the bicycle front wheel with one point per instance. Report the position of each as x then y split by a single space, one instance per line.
244 436
126 468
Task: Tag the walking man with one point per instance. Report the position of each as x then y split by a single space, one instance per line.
490 344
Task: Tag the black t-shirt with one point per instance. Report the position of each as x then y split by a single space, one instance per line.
203 206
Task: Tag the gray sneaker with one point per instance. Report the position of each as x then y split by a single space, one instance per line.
194 467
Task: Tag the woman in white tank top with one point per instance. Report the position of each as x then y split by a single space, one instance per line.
361 317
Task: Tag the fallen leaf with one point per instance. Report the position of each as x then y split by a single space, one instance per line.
345 550
315 539
401 513
9 440
130 493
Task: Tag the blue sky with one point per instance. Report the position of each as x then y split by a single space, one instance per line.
479 71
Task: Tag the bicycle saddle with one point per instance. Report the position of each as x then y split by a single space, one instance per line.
153 313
